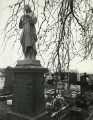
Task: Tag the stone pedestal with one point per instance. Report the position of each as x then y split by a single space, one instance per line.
28 62
28 88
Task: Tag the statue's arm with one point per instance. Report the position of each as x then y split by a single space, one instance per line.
35 19
21 23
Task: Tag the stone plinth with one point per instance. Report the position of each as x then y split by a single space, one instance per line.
28 89
28 62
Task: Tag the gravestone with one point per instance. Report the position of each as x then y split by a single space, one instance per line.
28 75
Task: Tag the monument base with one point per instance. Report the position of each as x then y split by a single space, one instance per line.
28 90
28 62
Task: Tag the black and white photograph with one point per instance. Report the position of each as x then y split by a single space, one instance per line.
46 60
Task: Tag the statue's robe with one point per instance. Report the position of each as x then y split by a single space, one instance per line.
28 36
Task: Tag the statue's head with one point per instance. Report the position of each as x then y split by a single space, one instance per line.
27 9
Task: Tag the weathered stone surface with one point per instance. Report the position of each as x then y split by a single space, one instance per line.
28 89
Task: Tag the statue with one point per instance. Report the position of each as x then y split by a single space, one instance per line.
28 36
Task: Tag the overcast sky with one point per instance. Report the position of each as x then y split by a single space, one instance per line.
9 57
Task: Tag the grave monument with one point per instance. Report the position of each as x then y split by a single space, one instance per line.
28 75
